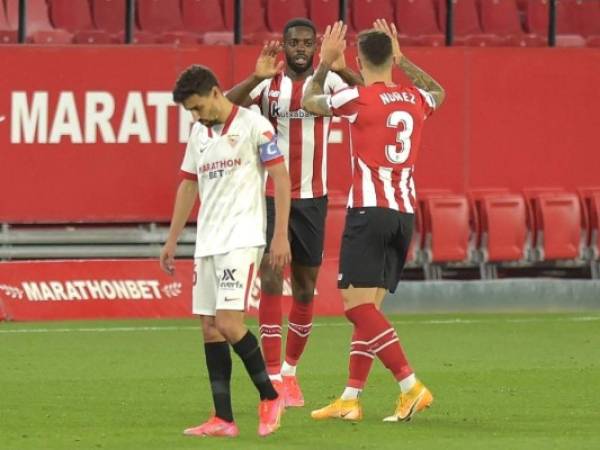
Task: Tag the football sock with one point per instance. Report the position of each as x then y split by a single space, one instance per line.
269 319
218 362
406 384
361 360
351 393
381 338
299 327
248 351
288 370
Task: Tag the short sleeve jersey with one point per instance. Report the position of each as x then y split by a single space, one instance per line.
228 161
385 134
301 136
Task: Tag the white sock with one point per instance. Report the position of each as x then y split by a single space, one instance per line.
287 370
351 393
276 377
406 384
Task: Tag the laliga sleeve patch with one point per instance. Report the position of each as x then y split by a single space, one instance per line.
269 151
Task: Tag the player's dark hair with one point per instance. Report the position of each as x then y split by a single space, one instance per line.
376 46
299 22
195 79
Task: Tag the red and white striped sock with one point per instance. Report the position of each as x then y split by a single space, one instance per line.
269 319
361 360
381 338
299 328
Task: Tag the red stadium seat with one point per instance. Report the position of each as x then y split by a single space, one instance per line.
558 224
51 37
159 16
8 34
586 16
417 19
109 15
280 11
254 24
364 12
593 41
324 12
179 38
37 20
218 38
467 30
92 37
503 223
567 32
501 17
201 16
446 228
70 15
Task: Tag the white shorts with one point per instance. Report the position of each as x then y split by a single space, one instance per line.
225 281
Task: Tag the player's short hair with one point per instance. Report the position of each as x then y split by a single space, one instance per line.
299 22
376 46
196 79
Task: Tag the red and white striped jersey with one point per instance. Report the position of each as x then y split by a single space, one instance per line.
301 136
385 134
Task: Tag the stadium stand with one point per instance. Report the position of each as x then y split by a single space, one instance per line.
280 11
566 26
502 18
109 15
76 17
210 26
325 12
254 22
8 33
417 19
467 29
163 17
365 12
39 28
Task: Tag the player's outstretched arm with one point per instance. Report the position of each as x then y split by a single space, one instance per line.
348 75
332 47
418 76
266 67
187 192
280 253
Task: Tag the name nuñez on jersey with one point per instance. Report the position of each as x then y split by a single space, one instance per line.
217 169
392 97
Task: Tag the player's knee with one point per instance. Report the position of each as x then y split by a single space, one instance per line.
228 326
271 282
304 293
210 333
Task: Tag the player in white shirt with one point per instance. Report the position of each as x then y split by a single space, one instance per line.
228 152
277 90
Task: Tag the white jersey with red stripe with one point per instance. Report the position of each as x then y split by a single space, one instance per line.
385 135
301 136
228 162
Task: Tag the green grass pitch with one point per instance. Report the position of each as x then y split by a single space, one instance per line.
499 381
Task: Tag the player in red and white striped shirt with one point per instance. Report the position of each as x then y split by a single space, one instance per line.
302 138
386 123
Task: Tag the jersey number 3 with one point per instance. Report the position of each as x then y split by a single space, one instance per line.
392 152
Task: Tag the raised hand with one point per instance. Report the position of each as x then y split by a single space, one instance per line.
334 44
267 65
382 25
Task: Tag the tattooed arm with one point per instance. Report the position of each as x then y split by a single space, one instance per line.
314 100
419 77
422 80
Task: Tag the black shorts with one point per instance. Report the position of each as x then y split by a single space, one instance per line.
306 229
374 247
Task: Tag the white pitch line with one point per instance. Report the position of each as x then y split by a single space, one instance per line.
318 324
